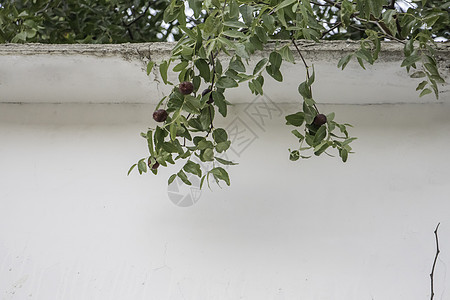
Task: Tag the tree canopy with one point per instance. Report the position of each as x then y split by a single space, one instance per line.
119 21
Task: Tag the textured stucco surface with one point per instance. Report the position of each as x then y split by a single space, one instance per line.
117 74
74 226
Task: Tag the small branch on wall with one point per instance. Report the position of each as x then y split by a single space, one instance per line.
435 259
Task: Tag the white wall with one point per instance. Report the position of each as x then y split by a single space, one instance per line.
74 226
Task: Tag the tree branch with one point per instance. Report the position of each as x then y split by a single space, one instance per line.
332 28
435 259
338 5
139 17
307 69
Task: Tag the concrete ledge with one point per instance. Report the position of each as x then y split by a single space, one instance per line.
35 73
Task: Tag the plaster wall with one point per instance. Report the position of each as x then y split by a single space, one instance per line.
74 226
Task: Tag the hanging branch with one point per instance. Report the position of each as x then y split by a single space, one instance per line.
307 69
434 262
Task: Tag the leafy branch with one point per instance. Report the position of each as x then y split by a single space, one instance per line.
237 29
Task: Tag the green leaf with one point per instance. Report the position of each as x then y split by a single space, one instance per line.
234 9
418 74
183 177
202 181
193 168
208 155
149 137
163 67
234 34
410 60
226 82
421 85
260 65
344 61
286 54
309 101
361 63
169 147
150 65
257 87
234 24
304 90
203 68
241 50
268 22
294 155
220 173
220 135
142 166
173 131
172 178
225 162
204 144
297 134
181 66
344 154
275 75
275 60
237 65
219 101
296 119
131 169
319 149
261 34
320 135
193 102
425 92
223 146
284 4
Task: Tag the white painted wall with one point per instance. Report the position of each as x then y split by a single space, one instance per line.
74 226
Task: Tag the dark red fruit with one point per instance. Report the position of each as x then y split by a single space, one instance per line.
160 115
186 87
155 166
320 119
210 100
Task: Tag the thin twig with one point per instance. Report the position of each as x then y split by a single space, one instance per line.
140 16
435 259
336 25
212 86
338 5
128 30
319 4
390 36
43 9
307 69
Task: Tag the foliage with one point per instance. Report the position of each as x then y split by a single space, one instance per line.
215 44
83 21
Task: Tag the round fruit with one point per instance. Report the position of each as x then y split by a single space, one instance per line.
320 119
160 115
155 165
186 87
210 100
